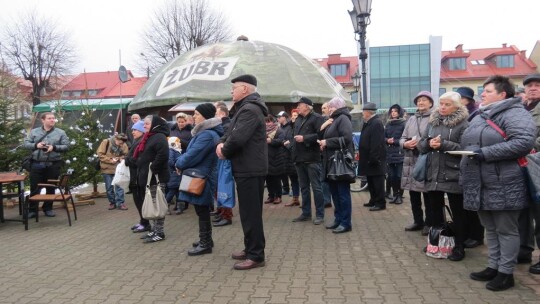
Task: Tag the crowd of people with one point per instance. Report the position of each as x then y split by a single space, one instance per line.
291 154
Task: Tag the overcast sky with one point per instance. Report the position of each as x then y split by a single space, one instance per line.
102 29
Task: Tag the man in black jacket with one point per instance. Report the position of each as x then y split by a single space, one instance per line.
372 156
244 144
307 159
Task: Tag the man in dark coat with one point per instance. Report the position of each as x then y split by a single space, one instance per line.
244 144
372 153
307 159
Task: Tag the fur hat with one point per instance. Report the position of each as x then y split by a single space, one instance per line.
207 110
246 78
139 126
174 143
121 136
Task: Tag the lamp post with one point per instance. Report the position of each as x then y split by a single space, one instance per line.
360 20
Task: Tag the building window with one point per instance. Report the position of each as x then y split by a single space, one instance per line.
456 64
92 92
355 97
338 70
442 91
480 90
505 61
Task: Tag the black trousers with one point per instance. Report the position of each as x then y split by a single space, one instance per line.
436 199
40 175
138 199
273 184
376 190
250 204
416 207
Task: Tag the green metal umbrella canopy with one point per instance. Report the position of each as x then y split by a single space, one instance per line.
204 75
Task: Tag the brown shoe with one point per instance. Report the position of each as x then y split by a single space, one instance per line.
240 255
295 202
248 264
269 200
277 200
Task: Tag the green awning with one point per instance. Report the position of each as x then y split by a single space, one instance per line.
79 104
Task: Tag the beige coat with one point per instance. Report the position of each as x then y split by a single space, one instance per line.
105 154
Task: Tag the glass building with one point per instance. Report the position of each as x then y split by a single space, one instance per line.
398 73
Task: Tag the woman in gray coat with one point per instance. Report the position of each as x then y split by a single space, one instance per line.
414 128
493 182
443 134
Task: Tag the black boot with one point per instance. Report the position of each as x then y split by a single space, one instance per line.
396 187
485 275
205 236
458 254
501 282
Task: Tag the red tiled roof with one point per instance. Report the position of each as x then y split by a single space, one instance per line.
522 65
127 89
104 82
337 59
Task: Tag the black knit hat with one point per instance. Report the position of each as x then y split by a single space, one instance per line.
207 110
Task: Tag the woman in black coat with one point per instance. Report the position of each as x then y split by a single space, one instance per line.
394 153
153 149
338 128
276 160
137 130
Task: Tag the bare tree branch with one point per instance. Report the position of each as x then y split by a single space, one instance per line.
37 49
180 26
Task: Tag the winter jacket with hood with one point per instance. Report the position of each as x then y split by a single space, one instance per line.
201 155
394 129
245 141
497 183
443 168
108 150
341 127
156 151
414 128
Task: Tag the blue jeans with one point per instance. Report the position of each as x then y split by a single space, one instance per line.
295 187
115 194
341 194
327 196
310 174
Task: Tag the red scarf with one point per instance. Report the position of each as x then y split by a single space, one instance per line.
141 145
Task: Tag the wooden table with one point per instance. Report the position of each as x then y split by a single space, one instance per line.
14 178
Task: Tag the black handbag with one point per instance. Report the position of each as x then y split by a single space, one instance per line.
340 165
420 168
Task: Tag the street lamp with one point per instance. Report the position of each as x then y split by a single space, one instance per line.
360 20
147 65
356 84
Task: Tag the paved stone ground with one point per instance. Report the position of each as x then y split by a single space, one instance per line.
99 260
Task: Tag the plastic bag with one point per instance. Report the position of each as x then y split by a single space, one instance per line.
121 176
225 188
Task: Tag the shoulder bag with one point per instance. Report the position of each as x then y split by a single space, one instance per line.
440 241
419 172
340 165
154 208
193 182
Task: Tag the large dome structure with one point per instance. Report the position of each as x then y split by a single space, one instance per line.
204 74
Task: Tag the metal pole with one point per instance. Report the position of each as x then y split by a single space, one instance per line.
363 56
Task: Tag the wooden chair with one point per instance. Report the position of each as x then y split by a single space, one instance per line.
62 194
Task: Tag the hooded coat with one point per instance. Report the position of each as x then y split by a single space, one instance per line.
156 151
341 127
498 183
201 155
394 129
443 168
245 140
